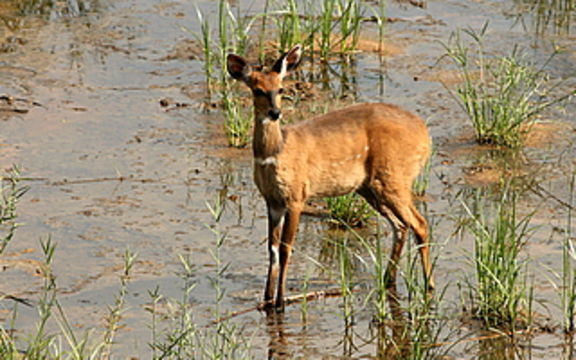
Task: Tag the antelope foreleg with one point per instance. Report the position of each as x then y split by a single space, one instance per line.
289 231
275 224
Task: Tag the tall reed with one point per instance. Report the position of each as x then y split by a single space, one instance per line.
289 26
326 26
377 267
380 15
233 36
179 339
346 280
349 15
263 31
501 295
40 344
568 291
205 39
237 121
115 312
182 338
10 192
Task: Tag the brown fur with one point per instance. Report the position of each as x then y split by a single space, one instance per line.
376 150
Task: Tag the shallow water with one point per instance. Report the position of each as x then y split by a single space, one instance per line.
111 169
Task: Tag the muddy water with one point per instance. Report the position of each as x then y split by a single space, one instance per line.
112 169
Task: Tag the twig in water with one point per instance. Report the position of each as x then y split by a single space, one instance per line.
309 296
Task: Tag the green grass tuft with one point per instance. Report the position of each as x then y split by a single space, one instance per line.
502 96
349 210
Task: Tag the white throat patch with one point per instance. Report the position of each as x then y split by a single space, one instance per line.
267 120
270 160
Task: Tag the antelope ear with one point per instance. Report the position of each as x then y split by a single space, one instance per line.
238 68
289 61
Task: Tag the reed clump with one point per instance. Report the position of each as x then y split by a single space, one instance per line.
349 210
500 294
232 35
503 95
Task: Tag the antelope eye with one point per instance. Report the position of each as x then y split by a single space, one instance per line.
259 92
281 91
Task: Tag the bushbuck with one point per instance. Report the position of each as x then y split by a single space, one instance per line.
374 149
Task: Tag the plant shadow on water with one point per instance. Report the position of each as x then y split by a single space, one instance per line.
547 16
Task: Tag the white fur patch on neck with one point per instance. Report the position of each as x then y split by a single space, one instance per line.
267 120
270 160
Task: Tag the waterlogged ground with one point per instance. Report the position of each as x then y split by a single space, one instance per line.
108 126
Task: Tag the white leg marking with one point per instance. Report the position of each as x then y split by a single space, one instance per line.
274 256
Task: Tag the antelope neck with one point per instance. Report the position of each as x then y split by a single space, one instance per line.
268 138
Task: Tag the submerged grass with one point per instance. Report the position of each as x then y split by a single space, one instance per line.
501 295
502 96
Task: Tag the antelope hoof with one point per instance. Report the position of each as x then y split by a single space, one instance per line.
266 305
389 280
280 305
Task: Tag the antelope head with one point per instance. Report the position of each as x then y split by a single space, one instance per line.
266 86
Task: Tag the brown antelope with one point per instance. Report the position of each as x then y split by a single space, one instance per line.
376 150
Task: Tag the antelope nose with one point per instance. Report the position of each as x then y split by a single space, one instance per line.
274 114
